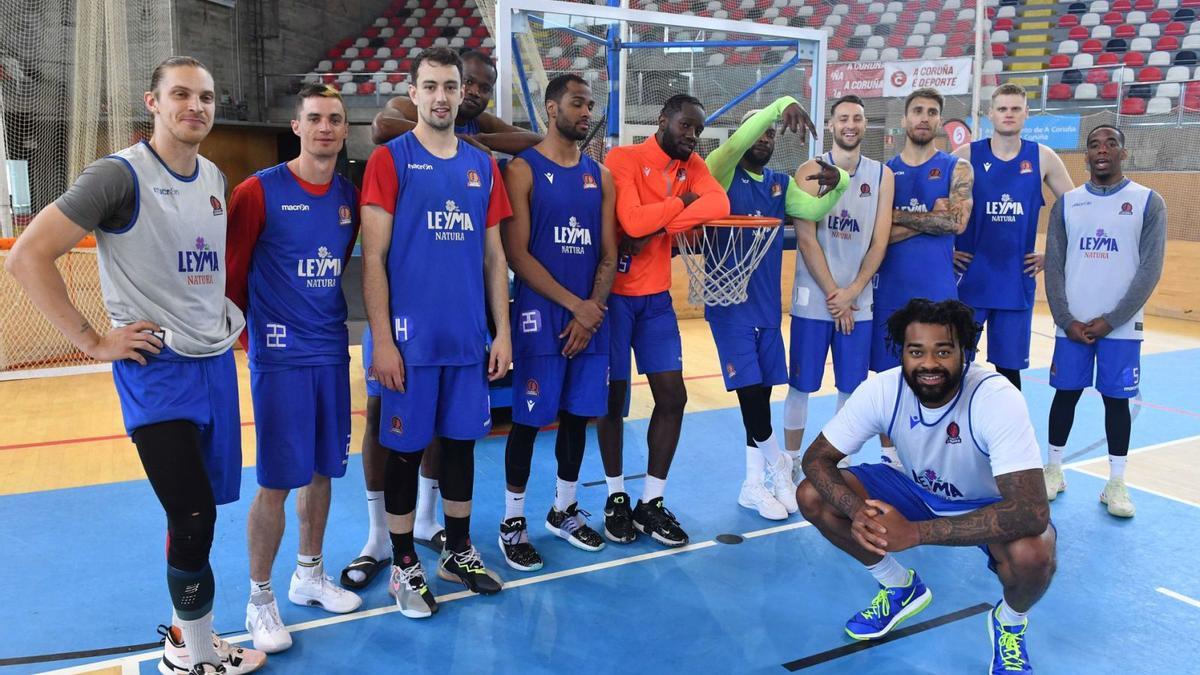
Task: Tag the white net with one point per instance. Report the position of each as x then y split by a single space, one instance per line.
720 259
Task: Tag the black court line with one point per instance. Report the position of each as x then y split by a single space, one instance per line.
86 654
845 650
600 482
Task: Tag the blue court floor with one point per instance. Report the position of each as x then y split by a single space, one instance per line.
84 575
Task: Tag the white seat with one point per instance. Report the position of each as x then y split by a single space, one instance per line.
464 32
1159 59
922 29
1194 29
1082 61
380 22
1150 30
1125 75
1089 19
417 32
895 7
390 65
1102 32
807 10
343 78
833 20
458 43
1085 92
379 77
441 22
488 43
919 40
993 66
1177 74
415 52
832 55
1136 18
1167 90
829 30
409 43
383 53
780 21
889 54
1140 44
888 18
932 53
720 14
770 12
967 14
312 78
457 22
952 4
362 42
938 40
841 9
746 4
554 52
441 42
716 59
1000 37
1006 12
418 12
863 30
411 21
1191 41
357 65
872 54
325 66
1168 4
876 41
440 4
877 8
927 17
350 53
1099 6
579 63
1068 47
1158 106
714 5
387 88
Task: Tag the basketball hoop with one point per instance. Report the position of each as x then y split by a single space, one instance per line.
721 255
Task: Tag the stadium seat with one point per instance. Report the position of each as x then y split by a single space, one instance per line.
889 54
1170 43
1068 47
1072 77
1135 18
1175 28
1144 5
1168 90
1117 46
1082 61
1059 92
1133 106
1085 92
1080 33
1056 62
869 54
1140 45
1122 5
1190 41
1194 29
1112 19
1150 74
1159 59
1134 59
1091 47
1160 16
349 89
1186 58
1150 30
1089 19
1102 32
932 53
1158 106
1125 31
937 40
863 30
1186 14
1110 91
999 51
1077 8
1168 4
1177 74
1191 102
1125 75
1108 60
325 65
1098 6
1097 76
1068 21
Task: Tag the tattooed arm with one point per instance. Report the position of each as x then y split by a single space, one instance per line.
1021 512
820 469
953 218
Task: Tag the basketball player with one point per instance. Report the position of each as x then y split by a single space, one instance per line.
663 187
832 291
561 243
473 124
157 210
291 230
432 265
749 342
974 478
996 254
1104 256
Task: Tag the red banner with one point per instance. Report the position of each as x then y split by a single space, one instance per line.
864 79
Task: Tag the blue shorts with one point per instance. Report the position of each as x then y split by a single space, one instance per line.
647 324
811 341
368 347
543 385
1008 335
1116 365
883 356
446 401
202 391
302 418
749 356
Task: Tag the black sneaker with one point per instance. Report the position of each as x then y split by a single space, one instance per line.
657 521
572 526
514 543
466 568
618 519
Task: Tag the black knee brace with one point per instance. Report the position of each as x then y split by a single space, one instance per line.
458 470
400 482
518 454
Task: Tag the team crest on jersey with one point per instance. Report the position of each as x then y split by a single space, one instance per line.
1026 166
864 190
397 425
931 481
1127 209
645 171
729 369
935 173
473 178
344 215
952 434
532 388
681 175
216 204
776 190
589 183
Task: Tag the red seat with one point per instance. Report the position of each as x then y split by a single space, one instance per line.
1167 44
910 53
366 88
1110 91
1091 47
1125 31
1060 92
329 79
1097 76
1113 19
1122 5
371 32
1144 5
1078 33
896 41
366 52
999 51
374 65
1159 16
1107 59
1003 24
1068 20
1133 106
1134 59
1192 87
340 65
953 51
1060 61
1189 3
345 42
848 54
396 78
991 12
1150 74
473 42
1175 28
333 53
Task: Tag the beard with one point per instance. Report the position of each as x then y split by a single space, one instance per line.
758 156
569 130
933 394
917 141
837 140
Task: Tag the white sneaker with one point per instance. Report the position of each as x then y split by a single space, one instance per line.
1116 496
320 591
411 593
266 628
756 496
779 477
236 660
797 471
1055 482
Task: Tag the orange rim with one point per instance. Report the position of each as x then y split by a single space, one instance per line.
745 221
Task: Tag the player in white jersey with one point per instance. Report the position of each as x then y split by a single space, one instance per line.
832 292
973 478
1104 256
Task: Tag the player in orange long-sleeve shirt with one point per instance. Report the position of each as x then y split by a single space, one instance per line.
663 188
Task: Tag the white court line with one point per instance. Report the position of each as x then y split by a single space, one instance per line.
126 662
1103 476
1179 596
1136 451
1098 473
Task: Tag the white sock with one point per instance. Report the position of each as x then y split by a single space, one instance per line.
615 484
379 545
308 566
653 488
889 572
1116 467
1056 455
770 449
514 504
1009 616
841 400
755 465
260 590
794 454
564 494
198 639
427 500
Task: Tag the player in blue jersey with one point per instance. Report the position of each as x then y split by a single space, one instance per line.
835 262
292 228
1104 255
749 341
157 210
997 255
433 265
561 243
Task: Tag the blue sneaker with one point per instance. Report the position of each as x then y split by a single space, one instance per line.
1008 646
892 604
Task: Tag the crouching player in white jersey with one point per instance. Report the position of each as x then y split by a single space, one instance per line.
837 259
1104 256
972 478
747 335
291 229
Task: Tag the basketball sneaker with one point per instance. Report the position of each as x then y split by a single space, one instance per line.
1055 482
1008 646
618 519
234 660
264 625
797 470
892 604
519 554
779 477
756 496
1116 497
408 588
466 568
208 669
319 590
572 526
657 521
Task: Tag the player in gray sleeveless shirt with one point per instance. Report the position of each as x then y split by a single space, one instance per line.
157 210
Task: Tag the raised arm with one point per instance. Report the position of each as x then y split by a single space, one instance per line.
724 160
952 220
806 202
